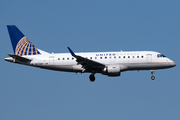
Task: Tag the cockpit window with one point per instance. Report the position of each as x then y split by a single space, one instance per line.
163 55
160 55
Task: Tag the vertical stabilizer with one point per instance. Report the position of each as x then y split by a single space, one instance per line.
21 45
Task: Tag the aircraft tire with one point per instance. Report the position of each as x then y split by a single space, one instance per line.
152 77
92 78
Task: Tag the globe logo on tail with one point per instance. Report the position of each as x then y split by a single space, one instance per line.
25 47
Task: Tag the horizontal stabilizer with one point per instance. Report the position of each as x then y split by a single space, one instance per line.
19 57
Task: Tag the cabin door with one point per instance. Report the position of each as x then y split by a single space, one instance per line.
149 58
51 60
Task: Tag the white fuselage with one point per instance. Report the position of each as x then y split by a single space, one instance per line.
107 63
133 60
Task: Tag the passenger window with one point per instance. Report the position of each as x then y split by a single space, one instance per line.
95 57
128 56
67 58
58 58
90 57
105 57
124 57
137 56
63 58
110 57
119 56
115 57
133 56
72 58
100 57
141 56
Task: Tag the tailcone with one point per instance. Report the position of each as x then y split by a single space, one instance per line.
9 59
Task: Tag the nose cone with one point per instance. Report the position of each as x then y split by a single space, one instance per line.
173 64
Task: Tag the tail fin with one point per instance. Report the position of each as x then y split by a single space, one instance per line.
21 45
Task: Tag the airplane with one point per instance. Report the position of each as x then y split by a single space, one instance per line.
106 63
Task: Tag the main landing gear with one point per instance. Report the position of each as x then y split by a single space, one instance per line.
152 72
92 77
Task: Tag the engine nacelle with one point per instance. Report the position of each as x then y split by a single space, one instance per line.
112 70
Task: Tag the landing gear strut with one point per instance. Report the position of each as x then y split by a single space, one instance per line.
152 72
92 77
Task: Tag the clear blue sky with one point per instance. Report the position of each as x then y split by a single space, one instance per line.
28 93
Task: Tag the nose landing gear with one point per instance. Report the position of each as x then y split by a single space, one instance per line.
152 77
152 72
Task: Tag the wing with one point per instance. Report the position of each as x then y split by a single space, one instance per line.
85 62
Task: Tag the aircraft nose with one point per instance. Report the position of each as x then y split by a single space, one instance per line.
173 64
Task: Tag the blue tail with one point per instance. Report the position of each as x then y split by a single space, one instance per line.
21 45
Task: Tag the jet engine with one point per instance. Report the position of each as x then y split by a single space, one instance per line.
112 70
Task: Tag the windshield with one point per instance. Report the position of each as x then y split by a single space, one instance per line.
160 55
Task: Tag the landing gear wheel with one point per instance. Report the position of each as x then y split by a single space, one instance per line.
152 77
152 72
92 78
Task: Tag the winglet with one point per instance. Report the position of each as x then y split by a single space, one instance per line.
72 53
